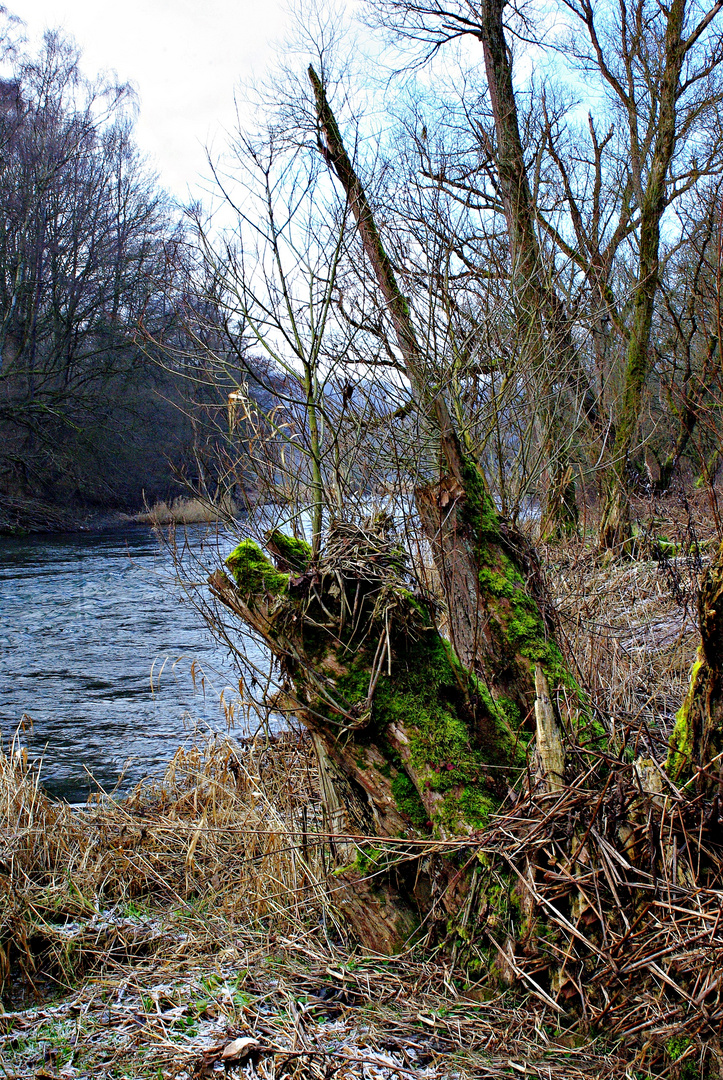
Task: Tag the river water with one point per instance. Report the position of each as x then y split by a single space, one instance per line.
99 648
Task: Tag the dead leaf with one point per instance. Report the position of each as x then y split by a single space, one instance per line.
239 1048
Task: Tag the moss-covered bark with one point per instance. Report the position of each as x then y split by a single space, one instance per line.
696 744
410 742
495 598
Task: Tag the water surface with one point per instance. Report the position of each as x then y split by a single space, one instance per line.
97 646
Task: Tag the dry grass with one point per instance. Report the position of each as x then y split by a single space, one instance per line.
220 842
632 631
196 911
631 628
152 932
187 511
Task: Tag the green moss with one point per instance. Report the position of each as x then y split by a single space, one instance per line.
368 859
519 628
455 729
295 553
526 633
511 711
470 806
252 571
680 748
497 584
408 801
676 1046
479 511
440 743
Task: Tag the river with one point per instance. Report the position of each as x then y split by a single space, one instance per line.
97 646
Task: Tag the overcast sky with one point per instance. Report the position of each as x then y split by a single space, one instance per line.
184 57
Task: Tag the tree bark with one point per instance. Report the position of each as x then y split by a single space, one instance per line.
696 744
409 743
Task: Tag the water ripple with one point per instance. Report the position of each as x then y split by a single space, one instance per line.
85 621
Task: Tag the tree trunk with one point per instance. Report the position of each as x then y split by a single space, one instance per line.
552 355
409 743
615 531
415 737
497 628
696 744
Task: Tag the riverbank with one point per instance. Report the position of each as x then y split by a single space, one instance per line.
192 928
28 516
146 937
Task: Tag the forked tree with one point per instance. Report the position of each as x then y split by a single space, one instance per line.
417 734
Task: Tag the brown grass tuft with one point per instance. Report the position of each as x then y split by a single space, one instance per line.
187 511
221 841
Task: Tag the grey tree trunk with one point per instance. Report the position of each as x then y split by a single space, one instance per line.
615 530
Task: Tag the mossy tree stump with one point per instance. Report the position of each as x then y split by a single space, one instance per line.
410 742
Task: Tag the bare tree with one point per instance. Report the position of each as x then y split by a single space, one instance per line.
82 255
660 66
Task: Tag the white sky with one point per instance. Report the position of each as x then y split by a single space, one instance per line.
184 57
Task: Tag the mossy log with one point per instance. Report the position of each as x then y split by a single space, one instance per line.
696 744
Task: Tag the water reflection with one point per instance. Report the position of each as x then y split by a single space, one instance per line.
86 619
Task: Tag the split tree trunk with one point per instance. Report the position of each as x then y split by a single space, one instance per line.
496 625
409 743
416 736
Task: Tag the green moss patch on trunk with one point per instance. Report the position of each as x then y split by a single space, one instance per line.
370 668
253 573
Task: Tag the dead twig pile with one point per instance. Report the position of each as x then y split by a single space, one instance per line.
617 902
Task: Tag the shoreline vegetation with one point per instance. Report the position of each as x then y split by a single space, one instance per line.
22 517
186 510
193 927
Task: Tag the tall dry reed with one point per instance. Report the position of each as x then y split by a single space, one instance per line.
222 840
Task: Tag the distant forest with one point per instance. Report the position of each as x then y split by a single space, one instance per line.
103 404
